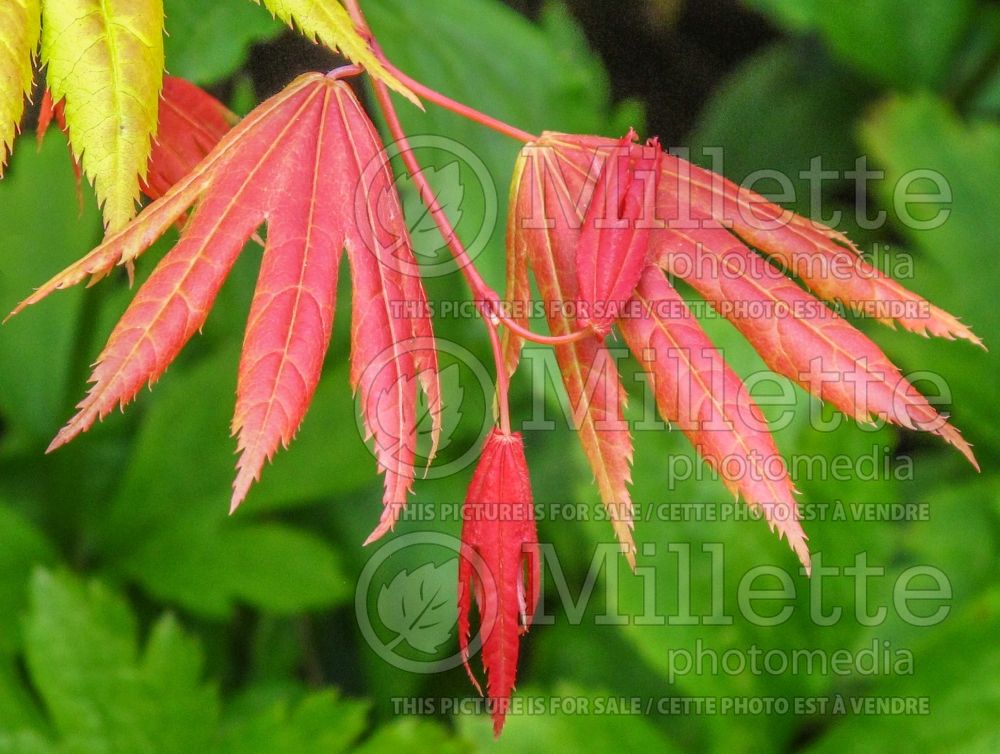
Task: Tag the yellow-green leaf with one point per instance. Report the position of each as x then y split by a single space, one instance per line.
105 58
328 22
19 30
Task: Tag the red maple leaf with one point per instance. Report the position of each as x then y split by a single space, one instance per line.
305 162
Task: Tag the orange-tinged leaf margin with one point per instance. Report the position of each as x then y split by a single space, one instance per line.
795 344
699 393
291 318
392 352
382 263
824 259
805 340
173 304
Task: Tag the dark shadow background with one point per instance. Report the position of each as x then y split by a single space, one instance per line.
677 53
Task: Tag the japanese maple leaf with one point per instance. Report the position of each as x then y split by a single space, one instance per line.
305 162
499 565
450 197
700 232
104 60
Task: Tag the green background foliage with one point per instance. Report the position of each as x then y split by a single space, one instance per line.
136 616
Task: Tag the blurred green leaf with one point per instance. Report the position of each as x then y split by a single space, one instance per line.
189 418
798 15
976 81
412 735
101 694
697 546
959 676
104 696
42 231
207 567
207 42
420 606
22 547
322 723
17 709
24 742
905 44
483 54
960 536
922 134
169 528
783 108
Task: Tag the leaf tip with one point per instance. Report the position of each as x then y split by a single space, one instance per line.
386 524
62 438
240 489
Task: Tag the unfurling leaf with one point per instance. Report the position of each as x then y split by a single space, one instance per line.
614 242
105 59
20 27
499 565
327 21
307 162
554 229
547 214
